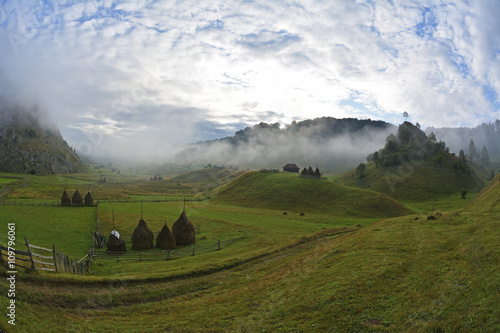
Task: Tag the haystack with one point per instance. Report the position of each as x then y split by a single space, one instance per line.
65 200
77 199
165 239
142 237
310 172
183 230
116 243
89 201
317 173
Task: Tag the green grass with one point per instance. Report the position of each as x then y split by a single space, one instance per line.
264 230
414 182
67 228
4 181
291 192
291 274
395 275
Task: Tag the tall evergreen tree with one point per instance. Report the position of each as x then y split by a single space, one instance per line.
376 158
485 157
462 156
472 150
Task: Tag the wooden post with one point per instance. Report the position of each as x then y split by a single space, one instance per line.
140 256
168 254
194 248
54 255
31 255
218 245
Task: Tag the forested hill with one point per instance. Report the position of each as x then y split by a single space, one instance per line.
318 129
332 144
29 143
484 135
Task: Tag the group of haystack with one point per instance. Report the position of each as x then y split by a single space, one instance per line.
183 233
77 200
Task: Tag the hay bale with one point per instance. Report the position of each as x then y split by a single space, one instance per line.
142 237
165 239
317 173
89 201
65 200
310 172
116 243
183 230
77 199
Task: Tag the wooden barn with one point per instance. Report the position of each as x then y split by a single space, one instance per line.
291 167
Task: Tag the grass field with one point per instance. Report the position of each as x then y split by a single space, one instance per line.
356 261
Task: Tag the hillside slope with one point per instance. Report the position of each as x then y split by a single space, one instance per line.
415 167
29 146
207 176
283 191
397 275
489 198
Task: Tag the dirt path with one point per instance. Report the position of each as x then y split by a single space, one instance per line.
7 189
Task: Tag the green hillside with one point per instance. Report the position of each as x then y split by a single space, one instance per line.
413 167
396 275
207 176
289 192
489 198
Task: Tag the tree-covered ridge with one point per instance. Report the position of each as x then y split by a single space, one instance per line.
411 144
317 129
335 145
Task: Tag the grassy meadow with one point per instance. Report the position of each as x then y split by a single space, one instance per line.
356 260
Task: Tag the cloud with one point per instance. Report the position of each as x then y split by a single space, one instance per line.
141 70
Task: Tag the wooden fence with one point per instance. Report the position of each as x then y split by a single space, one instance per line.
97 236
16 256
50 260
164 255
32 204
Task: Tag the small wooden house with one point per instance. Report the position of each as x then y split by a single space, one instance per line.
291 167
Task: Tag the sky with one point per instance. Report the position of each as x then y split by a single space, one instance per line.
122 75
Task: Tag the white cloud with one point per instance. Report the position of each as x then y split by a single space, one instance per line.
289 60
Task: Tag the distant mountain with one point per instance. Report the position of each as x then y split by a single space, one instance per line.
332 144
29 143
413 166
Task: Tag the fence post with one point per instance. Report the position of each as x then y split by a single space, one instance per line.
31 255
168 254
140 256
194 247
218 245
54 255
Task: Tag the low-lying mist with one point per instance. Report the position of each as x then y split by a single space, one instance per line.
334 145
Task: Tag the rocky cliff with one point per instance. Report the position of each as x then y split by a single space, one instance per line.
29 143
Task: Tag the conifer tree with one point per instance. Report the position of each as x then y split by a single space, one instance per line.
472 150
485 157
